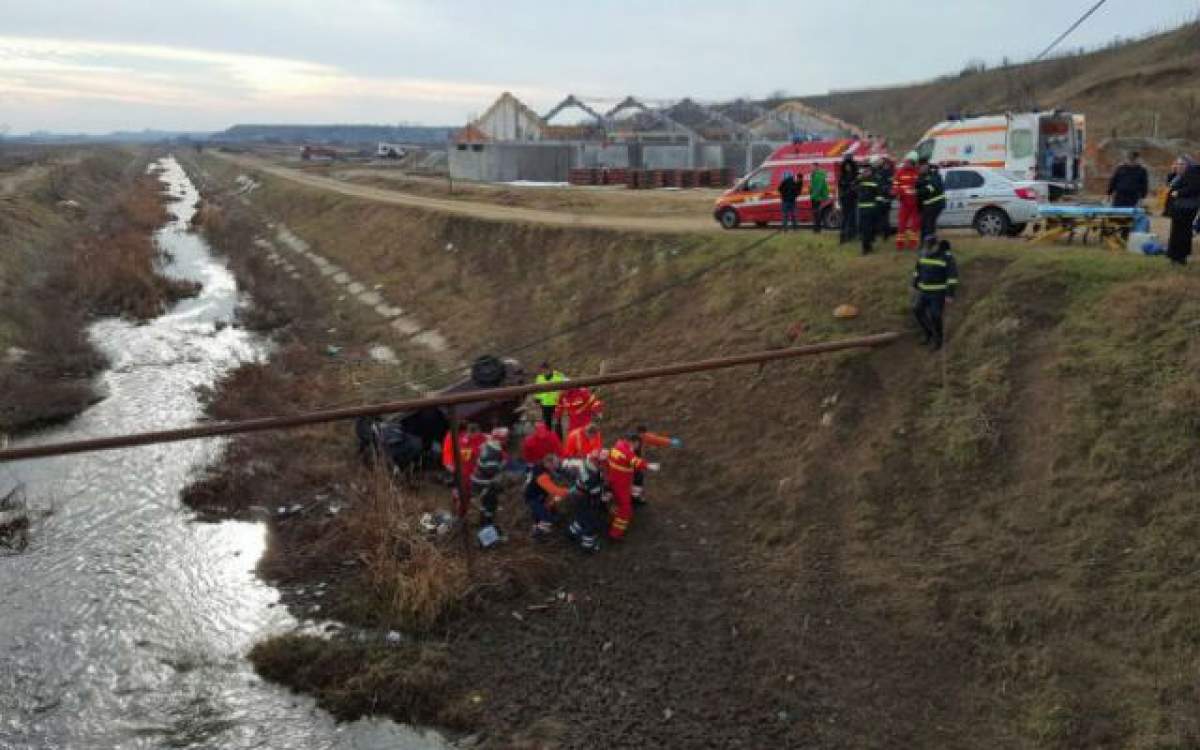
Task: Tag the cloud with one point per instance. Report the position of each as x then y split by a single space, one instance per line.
36 70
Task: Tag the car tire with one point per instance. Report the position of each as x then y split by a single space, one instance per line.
760 224
992 222
831 217
729 218
1016 230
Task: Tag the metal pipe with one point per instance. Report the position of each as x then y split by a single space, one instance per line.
465 397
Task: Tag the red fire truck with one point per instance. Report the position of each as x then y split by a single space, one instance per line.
755 197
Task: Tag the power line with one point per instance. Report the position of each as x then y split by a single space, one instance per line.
1067 33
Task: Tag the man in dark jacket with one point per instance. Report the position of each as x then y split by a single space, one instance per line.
885 175
931 197
936 281
1183 203
789 190
848 197
1129 184
869 205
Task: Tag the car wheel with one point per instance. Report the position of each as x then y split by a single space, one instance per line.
831 217
992 222
760 223
729 218
1016 230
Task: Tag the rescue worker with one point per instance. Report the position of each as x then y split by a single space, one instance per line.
587 494
1129 184
469 441
646 439
539 443
936 281
908 223
932 197
489 465
580 405
548 400
885 172
867 190
583 441
623 463
848 198
818 193
789 191
542 494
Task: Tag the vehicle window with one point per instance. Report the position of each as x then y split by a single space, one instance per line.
1020 144
925 149
758 181
962 179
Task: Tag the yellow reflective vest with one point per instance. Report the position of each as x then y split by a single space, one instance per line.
549 398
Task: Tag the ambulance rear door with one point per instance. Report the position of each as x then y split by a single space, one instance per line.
1021 157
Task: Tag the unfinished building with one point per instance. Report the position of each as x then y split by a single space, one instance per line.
511 142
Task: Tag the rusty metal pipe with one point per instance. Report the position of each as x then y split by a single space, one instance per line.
490 394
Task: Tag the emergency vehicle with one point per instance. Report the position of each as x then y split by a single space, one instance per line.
1041 147
755 197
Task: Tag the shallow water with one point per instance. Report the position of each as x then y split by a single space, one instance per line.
125 624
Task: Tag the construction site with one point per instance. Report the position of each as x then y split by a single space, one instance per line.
849 539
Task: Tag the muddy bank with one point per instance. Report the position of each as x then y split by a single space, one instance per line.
77 244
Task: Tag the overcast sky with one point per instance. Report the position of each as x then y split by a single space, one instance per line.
91 66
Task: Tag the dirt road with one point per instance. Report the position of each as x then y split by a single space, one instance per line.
671 225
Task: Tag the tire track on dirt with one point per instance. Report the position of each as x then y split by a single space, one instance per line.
477 209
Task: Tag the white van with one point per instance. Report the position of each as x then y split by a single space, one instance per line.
1045 147
390 151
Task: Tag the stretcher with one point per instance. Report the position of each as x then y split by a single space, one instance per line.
1107 225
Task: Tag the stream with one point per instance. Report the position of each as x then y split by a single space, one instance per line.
125 624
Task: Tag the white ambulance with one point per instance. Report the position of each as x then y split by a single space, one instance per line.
1044 148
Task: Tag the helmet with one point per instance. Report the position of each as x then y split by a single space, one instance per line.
912 156
876 160
500 433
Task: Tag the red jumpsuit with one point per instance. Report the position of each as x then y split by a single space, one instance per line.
622 464
469 444
908 224
580 444
580 406
541 442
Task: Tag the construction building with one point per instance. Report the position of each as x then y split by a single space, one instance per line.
512 142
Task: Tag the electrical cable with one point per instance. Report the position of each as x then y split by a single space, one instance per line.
1074 26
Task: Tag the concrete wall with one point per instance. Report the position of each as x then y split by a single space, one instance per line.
613 156
509 120
666 157
506 162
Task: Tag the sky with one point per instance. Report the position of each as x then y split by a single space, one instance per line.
95 66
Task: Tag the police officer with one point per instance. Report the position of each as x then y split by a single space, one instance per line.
869 201
936 281
931 195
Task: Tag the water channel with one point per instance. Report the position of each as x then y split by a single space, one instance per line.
125 624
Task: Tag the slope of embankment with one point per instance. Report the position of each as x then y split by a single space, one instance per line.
990 547
1121 88
75 242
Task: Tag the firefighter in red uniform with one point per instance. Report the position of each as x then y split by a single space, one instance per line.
908 229
469 443
538 444
623 463
580 405
583 441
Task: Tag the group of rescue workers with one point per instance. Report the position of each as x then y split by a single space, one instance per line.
569 476
866 193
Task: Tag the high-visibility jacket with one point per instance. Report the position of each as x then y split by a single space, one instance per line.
541 442
904 184
580 405
549 398
818 185
936 273
929 188
868 191
580 444
623 461
468 445
540 487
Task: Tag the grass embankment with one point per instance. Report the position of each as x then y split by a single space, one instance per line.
76 243
987 548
